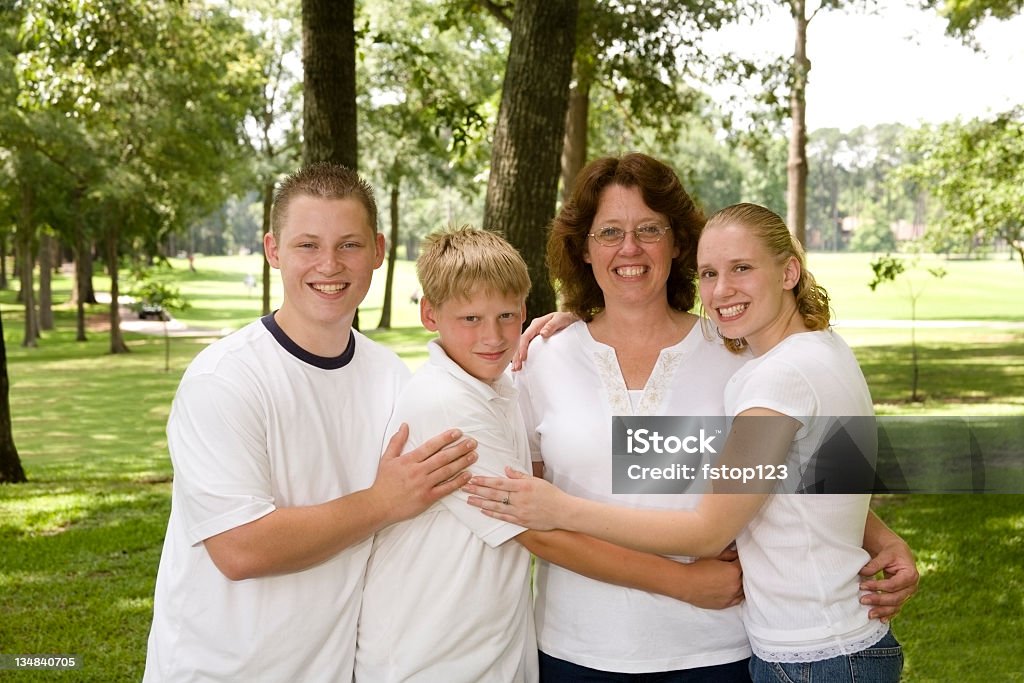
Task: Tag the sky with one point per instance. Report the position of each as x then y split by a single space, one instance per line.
894 66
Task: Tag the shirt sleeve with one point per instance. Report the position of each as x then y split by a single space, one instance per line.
448 405
776 385
217 441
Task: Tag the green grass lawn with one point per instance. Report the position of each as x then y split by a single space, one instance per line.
989 289
79 544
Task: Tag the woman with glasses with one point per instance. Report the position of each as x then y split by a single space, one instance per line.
623 251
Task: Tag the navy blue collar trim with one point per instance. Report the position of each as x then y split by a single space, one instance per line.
305 356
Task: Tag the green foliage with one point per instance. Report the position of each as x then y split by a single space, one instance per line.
636 61
137 106
151 287
873 235
964 16
976 172
429 96
886 269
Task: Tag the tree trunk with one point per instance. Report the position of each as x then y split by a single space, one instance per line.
83 256
389 281
3 260
46 249
26 264
796 166
329 85
833 213
329 88
523 184
87 262
574 149
117 344
11 471
268 204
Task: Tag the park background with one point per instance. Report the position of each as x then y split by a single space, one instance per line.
139 140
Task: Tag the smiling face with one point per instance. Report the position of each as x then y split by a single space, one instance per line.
326 252
631 272
747 291
480 332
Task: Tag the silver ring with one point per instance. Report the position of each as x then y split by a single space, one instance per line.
505 502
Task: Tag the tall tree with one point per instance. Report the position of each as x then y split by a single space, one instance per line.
276 116
329 88
148 148
523 184
796 163
428 74
329 85
635 62
11 471
26 251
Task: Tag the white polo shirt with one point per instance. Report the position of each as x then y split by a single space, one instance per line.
447 594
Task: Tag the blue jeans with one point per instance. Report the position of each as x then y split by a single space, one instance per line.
880 663
554 670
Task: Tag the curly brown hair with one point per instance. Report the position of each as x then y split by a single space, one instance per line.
661 191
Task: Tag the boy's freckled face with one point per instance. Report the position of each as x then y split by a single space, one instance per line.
480 332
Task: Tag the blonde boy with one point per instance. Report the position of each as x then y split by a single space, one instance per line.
447 594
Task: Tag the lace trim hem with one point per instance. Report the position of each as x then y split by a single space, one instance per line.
794 656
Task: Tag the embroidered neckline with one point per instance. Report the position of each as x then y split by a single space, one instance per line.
653 392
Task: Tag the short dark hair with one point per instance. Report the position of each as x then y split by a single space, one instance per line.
661 191
323 180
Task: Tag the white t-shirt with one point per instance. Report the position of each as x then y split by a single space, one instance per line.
447 594
802 552
571 386
258 423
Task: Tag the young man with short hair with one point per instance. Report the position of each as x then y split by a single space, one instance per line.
275 435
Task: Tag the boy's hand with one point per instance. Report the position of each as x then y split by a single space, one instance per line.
409 483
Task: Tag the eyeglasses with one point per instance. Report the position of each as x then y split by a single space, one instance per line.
648 234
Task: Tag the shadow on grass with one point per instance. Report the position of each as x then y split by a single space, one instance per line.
989 371
960 619
77 575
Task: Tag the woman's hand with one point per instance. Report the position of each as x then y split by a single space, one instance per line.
544 326
521 499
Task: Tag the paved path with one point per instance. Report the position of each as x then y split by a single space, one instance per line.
932 324
175 328
130 322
